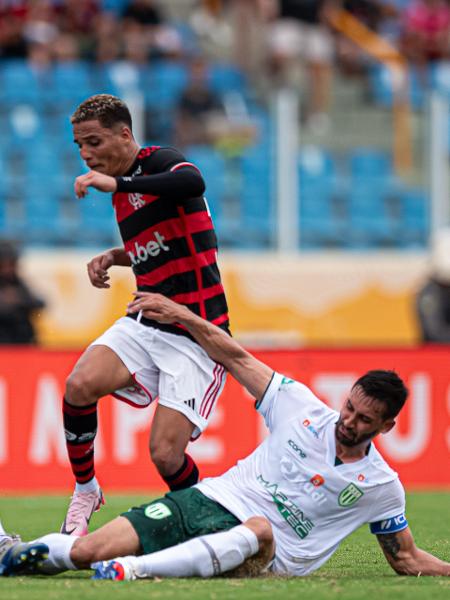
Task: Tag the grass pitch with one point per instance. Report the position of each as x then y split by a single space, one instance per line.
357 571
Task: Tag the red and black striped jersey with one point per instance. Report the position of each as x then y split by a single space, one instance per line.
169 236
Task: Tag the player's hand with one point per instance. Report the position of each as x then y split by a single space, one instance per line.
156 307
99 181
98 269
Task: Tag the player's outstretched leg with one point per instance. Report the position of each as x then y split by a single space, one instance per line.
21 558
205 556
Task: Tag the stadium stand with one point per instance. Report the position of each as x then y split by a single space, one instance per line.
349 197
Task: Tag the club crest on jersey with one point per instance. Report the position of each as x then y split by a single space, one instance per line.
349 495
136 200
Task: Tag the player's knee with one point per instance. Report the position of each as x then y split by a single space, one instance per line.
84 552
263 531
80 389
165 458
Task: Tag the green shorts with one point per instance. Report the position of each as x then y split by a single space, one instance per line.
178 517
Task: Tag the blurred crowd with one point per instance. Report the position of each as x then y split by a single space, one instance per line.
61 30
139 30
276 42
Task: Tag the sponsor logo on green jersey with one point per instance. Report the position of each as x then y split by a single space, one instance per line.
350 495
290 512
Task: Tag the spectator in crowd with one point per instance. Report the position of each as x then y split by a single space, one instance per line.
426 31
67 48
107 42
200 112
17 301
212 24
40 24
12 41
433 299
146 31
144 12
299 36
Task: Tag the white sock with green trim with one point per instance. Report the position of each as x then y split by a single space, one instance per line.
59 545
204 556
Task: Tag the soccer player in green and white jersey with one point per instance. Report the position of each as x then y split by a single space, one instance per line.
313 481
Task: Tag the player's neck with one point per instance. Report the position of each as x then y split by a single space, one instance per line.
349 454
129 159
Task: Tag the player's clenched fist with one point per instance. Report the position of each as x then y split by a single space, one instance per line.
99 181
98 269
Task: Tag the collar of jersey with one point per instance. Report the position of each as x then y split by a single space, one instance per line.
331 451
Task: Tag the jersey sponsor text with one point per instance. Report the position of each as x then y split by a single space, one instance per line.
152 248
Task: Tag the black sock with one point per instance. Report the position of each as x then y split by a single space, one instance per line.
186 476
80 428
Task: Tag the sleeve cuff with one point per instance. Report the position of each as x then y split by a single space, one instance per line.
270 392
122 183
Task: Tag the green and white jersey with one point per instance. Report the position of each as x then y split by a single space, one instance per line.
292 480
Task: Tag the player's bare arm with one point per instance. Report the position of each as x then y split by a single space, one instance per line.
250 372
98 267
99 181
406 559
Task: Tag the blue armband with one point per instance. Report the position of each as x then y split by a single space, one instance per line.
391 525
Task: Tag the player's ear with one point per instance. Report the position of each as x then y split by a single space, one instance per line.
126 133
387 426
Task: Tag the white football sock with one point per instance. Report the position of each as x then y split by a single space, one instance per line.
2 531
204 556
90 486
59 545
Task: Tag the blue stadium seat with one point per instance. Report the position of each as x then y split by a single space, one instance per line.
20 84
23 126
97 224
107 80
225 78
71 83
44 221
43 163
380 80
415 218
256 196
124 76
3 220
441 77
369 164
212 166
371 223
163 83
320 219
382 86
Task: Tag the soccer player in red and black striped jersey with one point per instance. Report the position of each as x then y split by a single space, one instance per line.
170 243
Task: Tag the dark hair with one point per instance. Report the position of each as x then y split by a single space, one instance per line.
387 387
108 110
8 250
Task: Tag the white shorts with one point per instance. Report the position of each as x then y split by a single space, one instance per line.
294 39
168 366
